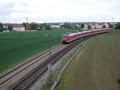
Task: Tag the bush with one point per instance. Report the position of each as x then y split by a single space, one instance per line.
117 26
118 81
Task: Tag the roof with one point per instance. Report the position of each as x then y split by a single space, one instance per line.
14 25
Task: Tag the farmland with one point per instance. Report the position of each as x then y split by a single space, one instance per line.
96 66
16 47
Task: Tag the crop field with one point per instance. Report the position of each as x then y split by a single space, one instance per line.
96 66
16 47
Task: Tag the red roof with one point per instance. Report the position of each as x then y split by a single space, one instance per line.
14 25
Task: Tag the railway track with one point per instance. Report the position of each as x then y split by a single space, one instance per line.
13 72
30 78
25 82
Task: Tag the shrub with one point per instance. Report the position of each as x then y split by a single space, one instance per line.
118 81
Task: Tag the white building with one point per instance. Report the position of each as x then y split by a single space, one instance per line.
16 27
55 25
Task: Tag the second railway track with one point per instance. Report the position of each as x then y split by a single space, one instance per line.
26 82
13 72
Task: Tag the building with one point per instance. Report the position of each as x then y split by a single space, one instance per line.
96 25
55 25
16 27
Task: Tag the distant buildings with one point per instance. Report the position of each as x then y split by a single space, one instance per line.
77 25
96 25
69 25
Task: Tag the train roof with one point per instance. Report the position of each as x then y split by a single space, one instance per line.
75 33
71 34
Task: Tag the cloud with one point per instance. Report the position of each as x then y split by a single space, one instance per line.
60 10
6 9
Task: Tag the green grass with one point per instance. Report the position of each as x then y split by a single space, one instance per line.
16 47
96 67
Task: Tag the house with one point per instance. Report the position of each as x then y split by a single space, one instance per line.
86 25
16 27
96 25
55 25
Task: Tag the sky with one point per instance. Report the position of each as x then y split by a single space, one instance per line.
43 11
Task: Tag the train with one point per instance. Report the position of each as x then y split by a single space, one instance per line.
69 37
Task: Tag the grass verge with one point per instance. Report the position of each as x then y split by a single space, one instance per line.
96 67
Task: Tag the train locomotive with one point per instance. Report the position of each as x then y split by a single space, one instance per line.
69 37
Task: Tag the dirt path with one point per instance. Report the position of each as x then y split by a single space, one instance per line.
96 67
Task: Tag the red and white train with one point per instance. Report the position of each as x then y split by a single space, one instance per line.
69 37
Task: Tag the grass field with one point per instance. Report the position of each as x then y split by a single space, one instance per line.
16 47
96 67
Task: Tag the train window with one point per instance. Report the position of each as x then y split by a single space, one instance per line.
64 36
68 32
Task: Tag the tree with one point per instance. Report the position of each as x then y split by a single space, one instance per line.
82 25
34 26
76 27
68 25
41 27
46 26
26 25
117 26
118 81
10 27
89 27
110 25
104 26
1 27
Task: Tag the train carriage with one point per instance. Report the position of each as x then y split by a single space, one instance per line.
69 37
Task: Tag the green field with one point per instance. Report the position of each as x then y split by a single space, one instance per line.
16 47
96 67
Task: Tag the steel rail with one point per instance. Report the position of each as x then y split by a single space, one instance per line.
22 65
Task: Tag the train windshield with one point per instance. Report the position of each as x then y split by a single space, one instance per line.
64 36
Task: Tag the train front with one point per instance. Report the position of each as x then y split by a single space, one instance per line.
65 38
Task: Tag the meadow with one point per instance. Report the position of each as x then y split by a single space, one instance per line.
96 66
16 47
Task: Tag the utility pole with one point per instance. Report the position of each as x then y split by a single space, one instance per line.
26 20
112 19
50 81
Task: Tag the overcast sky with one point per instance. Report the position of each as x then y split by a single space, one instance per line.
16 11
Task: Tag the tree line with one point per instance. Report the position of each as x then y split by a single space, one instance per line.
45 26
36 26
28 26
